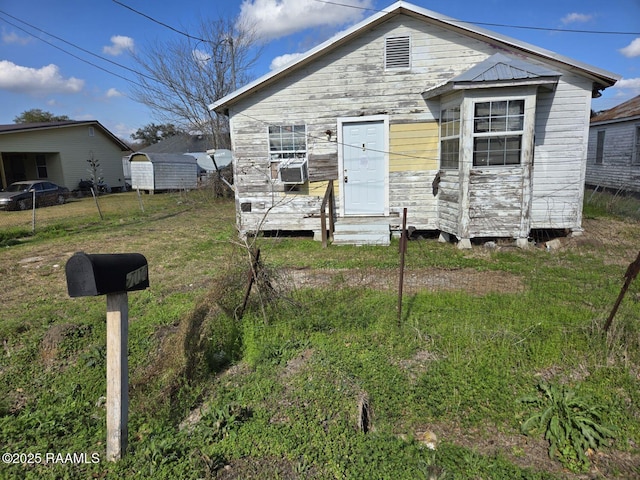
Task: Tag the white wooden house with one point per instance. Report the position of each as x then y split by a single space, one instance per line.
613 160
474 133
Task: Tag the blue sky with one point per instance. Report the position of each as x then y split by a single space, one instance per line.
35 74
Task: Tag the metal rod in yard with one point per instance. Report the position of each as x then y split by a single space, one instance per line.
95 198
33 212
403 249
632 272
140 200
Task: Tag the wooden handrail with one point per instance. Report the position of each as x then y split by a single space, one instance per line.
329 199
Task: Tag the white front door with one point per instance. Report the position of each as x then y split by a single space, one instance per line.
364 167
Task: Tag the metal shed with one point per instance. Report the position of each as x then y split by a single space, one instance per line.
163 171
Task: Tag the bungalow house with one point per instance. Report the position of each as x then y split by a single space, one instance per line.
613 159
476 134
58 152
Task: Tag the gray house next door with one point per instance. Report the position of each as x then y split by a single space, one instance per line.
364 167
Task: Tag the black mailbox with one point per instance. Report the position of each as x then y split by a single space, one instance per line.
102 274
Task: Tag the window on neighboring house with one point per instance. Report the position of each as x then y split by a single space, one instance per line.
41 166
600 147
636 151
498 127
450 138
397 53
286 142
92 132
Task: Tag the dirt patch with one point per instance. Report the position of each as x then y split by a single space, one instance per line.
52 341
415 280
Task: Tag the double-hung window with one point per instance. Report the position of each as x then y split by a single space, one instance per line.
286 142
450 138
498 127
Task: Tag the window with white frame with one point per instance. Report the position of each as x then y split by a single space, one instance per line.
286 142
636 151
600 147
450 138
498 127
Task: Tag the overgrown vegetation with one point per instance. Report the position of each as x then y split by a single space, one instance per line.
278 394
571 424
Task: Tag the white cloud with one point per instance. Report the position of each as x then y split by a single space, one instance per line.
278 18
201 57
119 45
113 93
576 18
12 38
282 60
632 50
45 80
628 83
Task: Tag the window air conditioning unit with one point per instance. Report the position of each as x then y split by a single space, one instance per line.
293 171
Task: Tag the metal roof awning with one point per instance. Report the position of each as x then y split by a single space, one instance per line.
498 70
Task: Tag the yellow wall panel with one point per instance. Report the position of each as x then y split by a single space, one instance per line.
413 146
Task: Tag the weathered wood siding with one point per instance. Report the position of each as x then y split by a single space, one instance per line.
495 202
413 164
68 149
562 122
449 201
617 170
351 81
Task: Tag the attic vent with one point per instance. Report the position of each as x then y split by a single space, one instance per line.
397 52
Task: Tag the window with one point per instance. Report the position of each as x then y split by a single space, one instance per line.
286 142
636 151
397 53
92 132
498 127
600 147
41 166
450 138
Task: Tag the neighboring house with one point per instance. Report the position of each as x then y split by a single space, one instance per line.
58 152
154 172
613 160
474 133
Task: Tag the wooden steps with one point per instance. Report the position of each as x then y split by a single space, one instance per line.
362 231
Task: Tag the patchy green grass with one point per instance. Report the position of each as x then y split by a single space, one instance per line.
281 392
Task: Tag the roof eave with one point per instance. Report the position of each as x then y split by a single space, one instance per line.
615 120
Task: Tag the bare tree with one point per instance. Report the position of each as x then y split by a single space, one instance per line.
183 76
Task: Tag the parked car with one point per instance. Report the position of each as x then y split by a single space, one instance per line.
19 195
85 186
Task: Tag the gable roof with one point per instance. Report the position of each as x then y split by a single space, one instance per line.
179 144
32 127
626 111
602 78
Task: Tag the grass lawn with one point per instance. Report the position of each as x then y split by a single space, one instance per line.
320 378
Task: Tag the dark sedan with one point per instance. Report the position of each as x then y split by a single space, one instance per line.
19 195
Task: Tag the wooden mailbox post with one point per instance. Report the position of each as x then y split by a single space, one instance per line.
112 275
